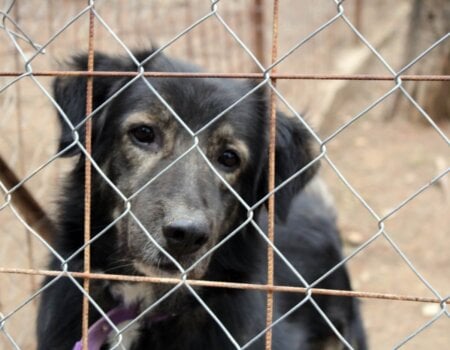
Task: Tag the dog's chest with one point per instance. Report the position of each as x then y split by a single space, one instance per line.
130 294
133 293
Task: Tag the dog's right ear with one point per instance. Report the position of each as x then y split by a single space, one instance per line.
70 94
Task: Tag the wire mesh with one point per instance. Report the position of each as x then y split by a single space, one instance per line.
229 23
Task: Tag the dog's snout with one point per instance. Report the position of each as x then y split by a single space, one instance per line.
185 236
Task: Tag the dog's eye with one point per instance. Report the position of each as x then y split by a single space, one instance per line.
229 159
143 134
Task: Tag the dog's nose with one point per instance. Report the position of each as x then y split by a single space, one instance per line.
185 236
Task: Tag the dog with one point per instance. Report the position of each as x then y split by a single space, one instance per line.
190 180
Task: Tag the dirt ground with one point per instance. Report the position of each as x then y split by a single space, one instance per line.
386 163
386 160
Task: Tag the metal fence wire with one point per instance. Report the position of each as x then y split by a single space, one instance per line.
241 28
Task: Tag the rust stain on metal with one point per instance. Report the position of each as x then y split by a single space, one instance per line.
219 284
87 184
260 76
271 184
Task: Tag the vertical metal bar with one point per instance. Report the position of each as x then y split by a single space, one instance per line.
271 184
88 178
259 38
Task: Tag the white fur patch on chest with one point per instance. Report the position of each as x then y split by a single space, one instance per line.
130 294
133 293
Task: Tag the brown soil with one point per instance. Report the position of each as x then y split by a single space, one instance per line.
386 161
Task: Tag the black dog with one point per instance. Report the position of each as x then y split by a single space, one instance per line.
187 210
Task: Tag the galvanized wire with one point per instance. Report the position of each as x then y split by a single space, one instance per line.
268 76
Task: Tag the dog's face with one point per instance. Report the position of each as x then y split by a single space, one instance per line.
178 165
177 182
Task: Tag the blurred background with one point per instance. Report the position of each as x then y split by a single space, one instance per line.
387 155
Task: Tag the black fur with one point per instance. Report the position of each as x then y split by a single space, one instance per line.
306 230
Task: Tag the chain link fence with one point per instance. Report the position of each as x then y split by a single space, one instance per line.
231 39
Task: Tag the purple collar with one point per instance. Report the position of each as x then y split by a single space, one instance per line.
99 331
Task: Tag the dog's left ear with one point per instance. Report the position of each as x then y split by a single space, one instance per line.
70 94
293 153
